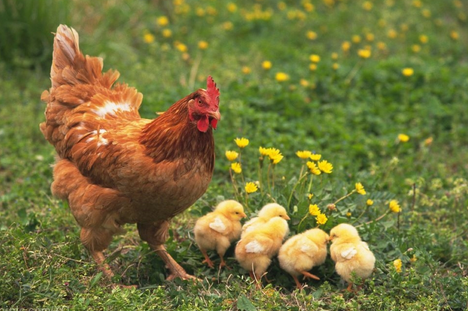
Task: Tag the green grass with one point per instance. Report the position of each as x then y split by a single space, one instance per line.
352 116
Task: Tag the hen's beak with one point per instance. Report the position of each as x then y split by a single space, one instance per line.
215 115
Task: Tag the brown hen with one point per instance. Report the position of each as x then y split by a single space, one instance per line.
113 167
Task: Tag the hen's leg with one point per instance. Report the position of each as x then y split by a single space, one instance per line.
96 240
156 235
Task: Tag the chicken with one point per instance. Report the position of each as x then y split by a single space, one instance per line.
255 250
114 167
265 214
302 252
350 254
218 229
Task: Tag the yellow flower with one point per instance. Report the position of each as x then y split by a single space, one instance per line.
275 159
369 202
311 35
314 58
426 13
305 154
407 72
334 56
309 7
381 45
266 65
414 258
394 206
325 166
304 82
246 70
454 35
335 66
367 5
313 168
356 39
281 77
231 7
166 33
162 21
148 38
231 155
251 187
314 210
392 34
364 53
360 188
310 196
315 157
423 39
417 3
202 45
236 167
227 25
416 48
263 151
397 265
348 214
370 37
180 46
321 219
241 142
345 46
403 138
313 67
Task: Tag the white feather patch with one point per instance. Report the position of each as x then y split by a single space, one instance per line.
111 108
218 225
349 253
254 247
305 248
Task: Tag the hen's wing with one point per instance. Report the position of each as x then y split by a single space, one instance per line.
82 105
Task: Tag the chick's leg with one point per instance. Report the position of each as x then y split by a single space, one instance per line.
310 275
156 235
207 258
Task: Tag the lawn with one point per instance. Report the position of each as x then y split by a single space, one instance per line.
377 88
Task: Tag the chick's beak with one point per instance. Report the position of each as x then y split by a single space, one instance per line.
287 217
243 215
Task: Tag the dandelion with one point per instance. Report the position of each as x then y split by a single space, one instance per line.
281 77
414 258
370 37
304 82
407 72
381 46
392 34
348 214
275 159
231 155
180 46
364 53
321 219
246 70
315 157
166 33
325 166
232 7
202 45
228 25
416 48
356 38
313 168
251 187
309 7
304 154
148 38
454 35
367 5
162 21
313 67
310 196
397 264
335 66
423 39
314 210
426 13
403 138
360 188
345 46
241 142
417 3
369 202
314 58
311 35
263 151
334 56
266 65
236 167
394 206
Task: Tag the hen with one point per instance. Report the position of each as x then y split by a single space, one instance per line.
113 167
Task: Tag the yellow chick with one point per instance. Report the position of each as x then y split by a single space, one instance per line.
302 252
265 214
218 229
255 250
350 253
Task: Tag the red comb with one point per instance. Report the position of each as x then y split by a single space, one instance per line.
213 92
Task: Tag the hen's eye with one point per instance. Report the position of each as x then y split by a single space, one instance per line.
199 101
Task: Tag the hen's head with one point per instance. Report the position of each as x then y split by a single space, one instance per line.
204 106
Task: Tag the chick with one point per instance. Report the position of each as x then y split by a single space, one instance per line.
266 213
350 253
218 229
302 252
255 250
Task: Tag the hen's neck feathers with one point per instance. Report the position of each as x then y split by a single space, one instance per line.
173 135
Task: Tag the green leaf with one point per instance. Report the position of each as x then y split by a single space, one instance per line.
244 304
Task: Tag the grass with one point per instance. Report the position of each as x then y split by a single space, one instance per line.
351 115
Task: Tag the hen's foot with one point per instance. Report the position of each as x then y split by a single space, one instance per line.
176 270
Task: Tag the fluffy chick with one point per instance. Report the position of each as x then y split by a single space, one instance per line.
218 229
302 252
255 250
350 253
265 214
